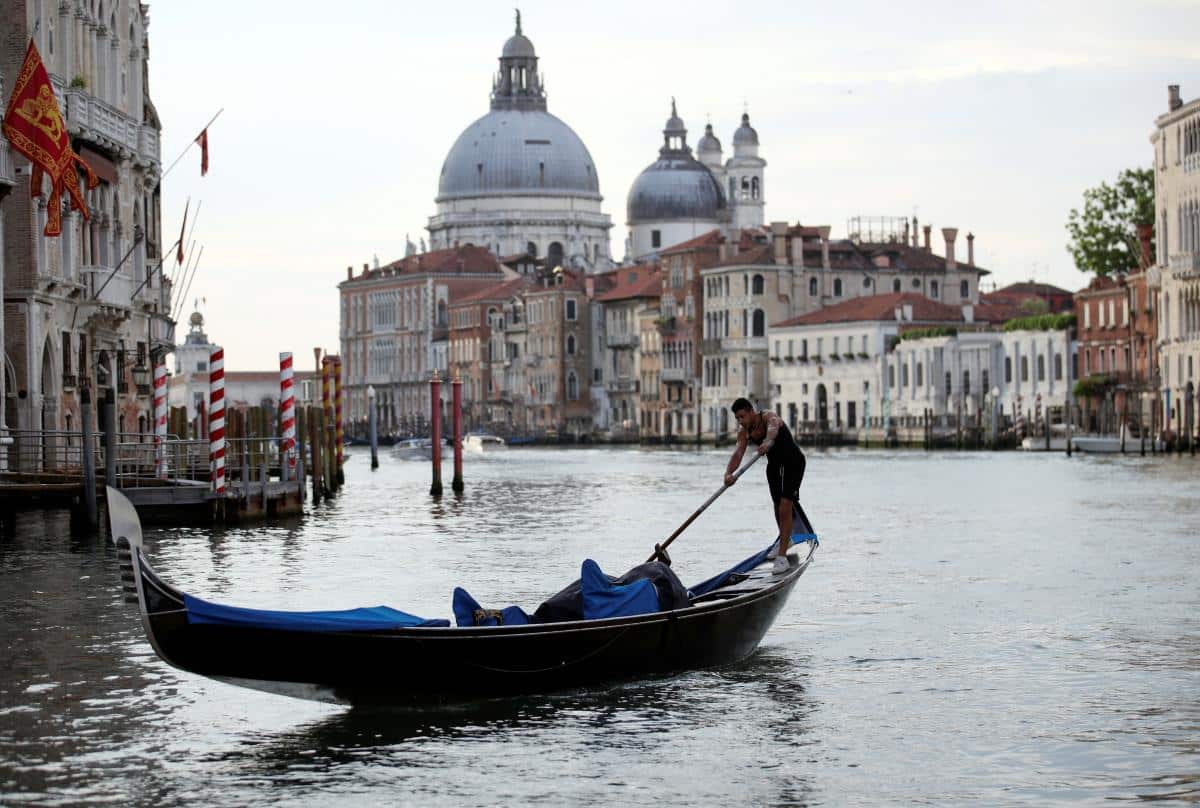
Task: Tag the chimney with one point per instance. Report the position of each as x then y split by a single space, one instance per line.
904 239
823 230
1174 102
779 241
968 313
589 286
1145 232
916 231
970 249
950 233
349 273
927 229
365 268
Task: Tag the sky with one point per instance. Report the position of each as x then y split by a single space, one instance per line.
335 120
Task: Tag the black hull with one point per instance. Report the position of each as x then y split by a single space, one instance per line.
421 667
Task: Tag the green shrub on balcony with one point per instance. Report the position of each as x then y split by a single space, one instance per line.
1097 385
863 355
1041 322
848 355
79 82
933 331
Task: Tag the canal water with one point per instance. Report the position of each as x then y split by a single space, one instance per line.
998 629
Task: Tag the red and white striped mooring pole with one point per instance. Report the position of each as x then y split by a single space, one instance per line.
287 416
216 418
160 419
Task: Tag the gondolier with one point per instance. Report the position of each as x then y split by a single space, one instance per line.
785 467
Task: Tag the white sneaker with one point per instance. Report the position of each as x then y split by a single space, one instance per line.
774 554
781 566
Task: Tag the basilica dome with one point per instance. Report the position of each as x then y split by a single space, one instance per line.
676 186
518 151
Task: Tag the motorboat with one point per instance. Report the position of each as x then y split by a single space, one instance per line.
383 656
482 443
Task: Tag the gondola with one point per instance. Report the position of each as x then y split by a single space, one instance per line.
375 659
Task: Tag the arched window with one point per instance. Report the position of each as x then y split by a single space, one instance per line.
1058 367
896 285
531 250
866 281
1041 365
1024 368
837 287
754 188
964 289
966 383
570 344
760 323
554 254
812 287
572 386
756 287
1008 369
933 289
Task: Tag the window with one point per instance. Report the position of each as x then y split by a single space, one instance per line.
920 375
570 344
572 386
949 381
531 250
1024 368
655 238
1058 367
1041 368
866 281
964 290
933 289
904 375
891 375
756 287
570 308
896 285
916 284
812 287
1007 369
201 366
837 287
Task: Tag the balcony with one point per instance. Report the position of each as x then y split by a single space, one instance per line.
162 332
8 175
105 125
622 340
1185 265
622 385
676 374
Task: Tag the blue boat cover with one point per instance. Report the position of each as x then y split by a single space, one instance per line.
603 598
468 612
371 618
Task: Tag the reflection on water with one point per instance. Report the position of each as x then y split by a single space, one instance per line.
999 629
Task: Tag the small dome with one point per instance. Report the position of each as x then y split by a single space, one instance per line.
518 46
709 142
745 134
196 319
675 187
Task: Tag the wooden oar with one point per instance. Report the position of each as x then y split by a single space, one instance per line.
661 549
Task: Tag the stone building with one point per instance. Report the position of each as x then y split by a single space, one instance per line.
682 327
519 179
393 321
778 273
1176 273
85 307
557 361
633 290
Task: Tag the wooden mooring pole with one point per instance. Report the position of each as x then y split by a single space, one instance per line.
371 428
435 433
457 483
89 458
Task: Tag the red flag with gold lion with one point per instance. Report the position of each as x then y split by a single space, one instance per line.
34 126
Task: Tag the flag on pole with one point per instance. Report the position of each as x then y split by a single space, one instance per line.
182 230
202 141
34 126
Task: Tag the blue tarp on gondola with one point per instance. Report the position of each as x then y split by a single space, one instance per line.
604 598
370 618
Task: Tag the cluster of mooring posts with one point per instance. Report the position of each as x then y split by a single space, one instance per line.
243 463
435 432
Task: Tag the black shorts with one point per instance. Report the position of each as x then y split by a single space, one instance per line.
784 481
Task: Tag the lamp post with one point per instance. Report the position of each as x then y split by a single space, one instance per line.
995 392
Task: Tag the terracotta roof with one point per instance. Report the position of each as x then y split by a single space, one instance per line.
753 254
640 280
496 292
1029 288
882 308
710 239
464 259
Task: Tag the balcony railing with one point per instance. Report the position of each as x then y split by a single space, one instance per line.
676 374
627 340
622 385
97 121
1187 263
8 175
100 289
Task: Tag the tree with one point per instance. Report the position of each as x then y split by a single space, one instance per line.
1104 236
